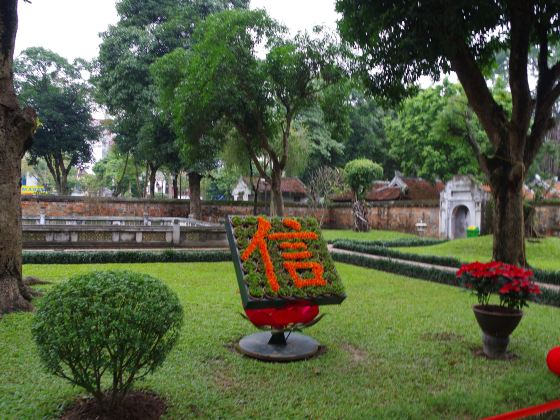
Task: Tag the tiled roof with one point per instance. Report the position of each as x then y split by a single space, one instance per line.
347 195
289 185
385 194
416 189
420 189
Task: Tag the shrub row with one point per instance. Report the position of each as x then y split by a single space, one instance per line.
383 251
102 257
550 277
547 296
542 276
397 267
394 243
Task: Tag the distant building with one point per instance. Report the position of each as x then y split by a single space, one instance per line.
399 188
293 190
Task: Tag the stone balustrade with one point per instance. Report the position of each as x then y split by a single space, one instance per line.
74 235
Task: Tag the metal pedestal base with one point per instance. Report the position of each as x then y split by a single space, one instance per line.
272 348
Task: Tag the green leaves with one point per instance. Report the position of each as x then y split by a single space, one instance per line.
61 98
430 133
107 323
360 174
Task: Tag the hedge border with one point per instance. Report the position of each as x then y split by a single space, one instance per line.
547 296
383 251
394 243
104 257
542 276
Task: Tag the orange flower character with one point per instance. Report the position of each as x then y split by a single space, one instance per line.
259 241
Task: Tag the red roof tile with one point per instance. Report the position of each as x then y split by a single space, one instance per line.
289 185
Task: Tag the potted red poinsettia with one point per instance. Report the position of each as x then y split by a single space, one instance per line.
514 286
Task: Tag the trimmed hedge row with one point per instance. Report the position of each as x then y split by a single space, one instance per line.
397 267
368 248
542 276
550 277
403 242
547 296
103 257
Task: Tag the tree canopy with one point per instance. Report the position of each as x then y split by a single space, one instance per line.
61 97
400 41
147 30
243 70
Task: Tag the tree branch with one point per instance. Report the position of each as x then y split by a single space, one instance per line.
490 114
480 157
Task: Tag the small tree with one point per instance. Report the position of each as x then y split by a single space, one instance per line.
359 175
116 324
60 96
323 183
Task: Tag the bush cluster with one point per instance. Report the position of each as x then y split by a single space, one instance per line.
547 296
107 327
394 243
367 248
104 257
372 248
255 278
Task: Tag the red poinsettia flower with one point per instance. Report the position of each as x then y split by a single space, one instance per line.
513 284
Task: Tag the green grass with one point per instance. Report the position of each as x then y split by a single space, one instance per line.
396 348
544 254
372 235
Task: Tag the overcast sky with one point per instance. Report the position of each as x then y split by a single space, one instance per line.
71 27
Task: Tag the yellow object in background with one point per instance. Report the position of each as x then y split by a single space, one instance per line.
30 190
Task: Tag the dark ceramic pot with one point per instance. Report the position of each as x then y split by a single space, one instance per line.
497 323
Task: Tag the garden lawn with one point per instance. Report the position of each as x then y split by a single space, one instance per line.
544 254
372 235
396 348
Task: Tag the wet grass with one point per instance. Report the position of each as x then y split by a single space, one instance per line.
396 348
372 235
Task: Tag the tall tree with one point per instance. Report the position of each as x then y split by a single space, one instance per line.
60 96
224 78
16 129
403 40
427 136
368 137
147 29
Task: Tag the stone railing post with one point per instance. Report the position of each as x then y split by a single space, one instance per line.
176 232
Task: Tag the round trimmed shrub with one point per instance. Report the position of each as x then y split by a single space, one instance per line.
359 174
107 327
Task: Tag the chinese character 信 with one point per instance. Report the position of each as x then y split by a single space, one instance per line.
292 261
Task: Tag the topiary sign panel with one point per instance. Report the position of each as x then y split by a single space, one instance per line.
281 260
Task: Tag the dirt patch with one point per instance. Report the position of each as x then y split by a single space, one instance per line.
138 405
32 281
356 354
478 352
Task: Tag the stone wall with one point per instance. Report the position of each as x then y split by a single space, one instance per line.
55 206
399 215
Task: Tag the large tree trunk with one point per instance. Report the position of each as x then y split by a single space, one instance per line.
175 186
508 221
276 199
16 128
194 192
359 214
64 184
152 181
